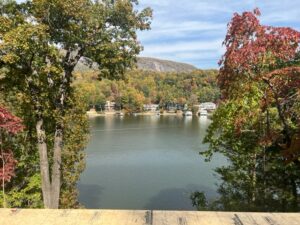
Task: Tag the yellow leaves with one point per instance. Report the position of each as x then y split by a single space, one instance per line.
5 25
10 58
25 37
21 43
51 70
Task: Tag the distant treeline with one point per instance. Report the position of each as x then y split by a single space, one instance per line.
149 87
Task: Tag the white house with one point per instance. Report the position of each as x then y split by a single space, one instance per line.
151 107
208 106
109 106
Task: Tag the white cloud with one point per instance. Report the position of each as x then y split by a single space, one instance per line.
182 29
200 55
284 16
214 45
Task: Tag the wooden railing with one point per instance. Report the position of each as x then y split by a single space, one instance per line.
141 217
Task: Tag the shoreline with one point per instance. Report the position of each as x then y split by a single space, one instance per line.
92 114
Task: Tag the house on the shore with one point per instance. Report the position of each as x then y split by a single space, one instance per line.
173 107
151 107
110 106
208 106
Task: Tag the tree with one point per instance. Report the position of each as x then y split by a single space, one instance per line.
91 92
208 94
9 125
41 44
132 100
257 124
269 58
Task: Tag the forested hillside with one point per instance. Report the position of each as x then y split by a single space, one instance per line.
144 87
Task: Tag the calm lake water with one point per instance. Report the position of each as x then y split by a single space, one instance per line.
146 162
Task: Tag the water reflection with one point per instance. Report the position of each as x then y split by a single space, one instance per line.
134 161
203 119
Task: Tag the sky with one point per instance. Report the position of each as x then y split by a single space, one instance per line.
192 31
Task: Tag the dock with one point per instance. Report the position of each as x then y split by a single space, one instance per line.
141 217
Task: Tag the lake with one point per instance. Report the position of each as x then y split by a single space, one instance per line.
146 162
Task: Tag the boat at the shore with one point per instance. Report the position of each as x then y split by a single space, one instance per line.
119 114
188 113
203 112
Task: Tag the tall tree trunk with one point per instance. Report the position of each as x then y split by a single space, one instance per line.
253 179
69 64
56 167
58 143
44 164
51 188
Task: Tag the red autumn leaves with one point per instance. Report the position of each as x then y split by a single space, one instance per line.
7 170
9 122
10 125
255 50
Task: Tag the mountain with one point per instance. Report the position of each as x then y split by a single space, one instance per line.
146 63
159 65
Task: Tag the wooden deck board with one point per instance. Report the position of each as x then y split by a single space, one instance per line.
141 217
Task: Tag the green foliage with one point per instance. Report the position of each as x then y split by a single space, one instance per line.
28 195
258 177
132 100
91 93
208 94
73 154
